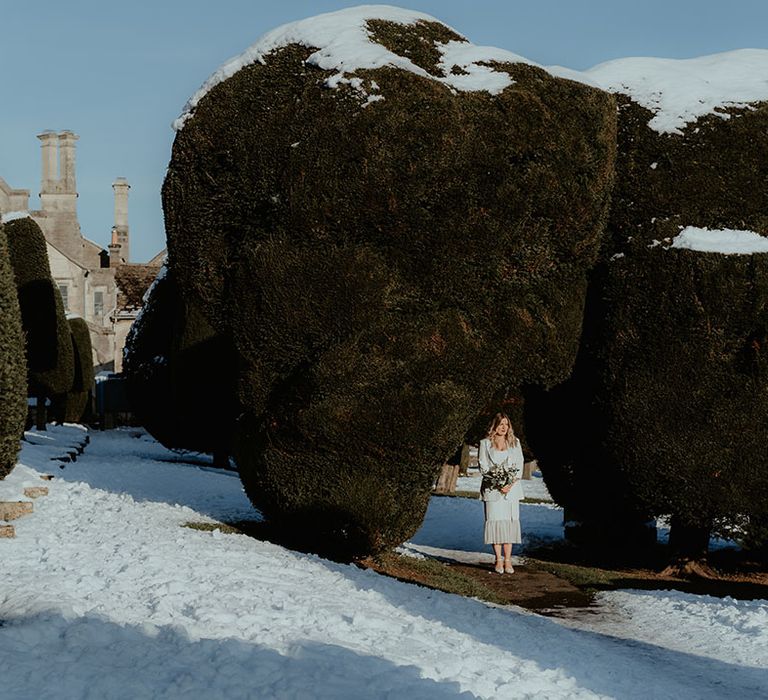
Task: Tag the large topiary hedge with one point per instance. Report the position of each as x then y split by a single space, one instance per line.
386 248
50 360
180 374
667 411
12 366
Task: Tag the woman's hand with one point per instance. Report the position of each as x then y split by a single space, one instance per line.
505 490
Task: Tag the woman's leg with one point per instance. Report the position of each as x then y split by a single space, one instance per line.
499 568
508 568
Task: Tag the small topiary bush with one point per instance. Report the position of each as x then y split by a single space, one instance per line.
384 254
74 405
13 405
50 360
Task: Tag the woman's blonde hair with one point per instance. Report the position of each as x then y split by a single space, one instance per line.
511 437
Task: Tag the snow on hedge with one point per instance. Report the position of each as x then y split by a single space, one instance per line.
725 241
677 91
344 45
13 215
680 91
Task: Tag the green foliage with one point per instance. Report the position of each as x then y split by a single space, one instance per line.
50 359
73 405
180 374
418 41
688 379
667 409
382 270
13 405
712 175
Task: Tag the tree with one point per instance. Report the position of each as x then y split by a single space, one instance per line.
382 266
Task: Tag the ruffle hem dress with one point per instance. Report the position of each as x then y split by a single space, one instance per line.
502 511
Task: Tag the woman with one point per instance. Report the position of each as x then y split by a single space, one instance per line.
501 463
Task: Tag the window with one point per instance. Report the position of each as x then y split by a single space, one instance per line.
64 289
98 303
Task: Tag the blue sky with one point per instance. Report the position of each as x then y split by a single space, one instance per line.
118 73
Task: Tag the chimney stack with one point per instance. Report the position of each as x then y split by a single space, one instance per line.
120 229
50 149
58 193
67 141
115 257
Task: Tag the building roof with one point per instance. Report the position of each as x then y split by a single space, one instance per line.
66 255
133 280
159 258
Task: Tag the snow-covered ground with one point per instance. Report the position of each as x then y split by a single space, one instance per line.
104 595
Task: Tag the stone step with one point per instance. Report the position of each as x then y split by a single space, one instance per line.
35 491
7 531
11 510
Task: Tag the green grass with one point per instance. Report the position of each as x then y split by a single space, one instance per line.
585 577
432 574
210 527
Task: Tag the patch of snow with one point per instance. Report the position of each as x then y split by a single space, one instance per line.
457 524
109 597
373 98
725 241
343 44
136 325
571 74
723 629
13 215
160 276
680 91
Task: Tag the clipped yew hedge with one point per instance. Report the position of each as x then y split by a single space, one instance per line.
50 359
667 410
13 405
383 270
73 406
712 175
180 374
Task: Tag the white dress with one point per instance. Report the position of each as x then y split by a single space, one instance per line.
502 511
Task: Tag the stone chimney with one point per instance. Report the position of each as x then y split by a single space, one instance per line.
58 193
50 149
115 253
120 229
67 141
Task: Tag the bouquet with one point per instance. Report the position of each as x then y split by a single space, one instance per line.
499 476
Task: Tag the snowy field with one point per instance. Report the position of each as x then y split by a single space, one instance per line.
104 595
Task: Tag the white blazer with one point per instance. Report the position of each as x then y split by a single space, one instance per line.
514 459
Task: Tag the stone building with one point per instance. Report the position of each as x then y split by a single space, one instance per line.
102 286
